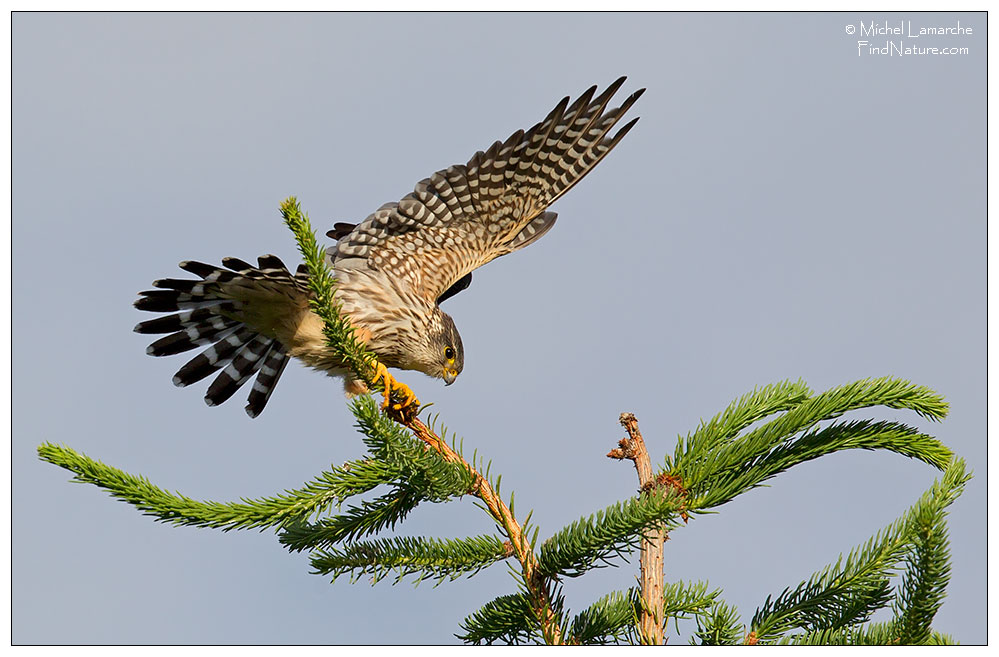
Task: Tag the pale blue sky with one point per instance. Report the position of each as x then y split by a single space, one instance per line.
785 208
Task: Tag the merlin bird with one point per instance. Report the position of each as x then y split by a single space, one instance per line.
393 270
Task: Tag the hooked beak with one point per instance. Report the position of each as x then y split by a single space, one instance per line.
450 376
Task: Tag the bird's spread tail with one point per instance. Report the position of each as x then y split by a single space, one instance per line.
210 311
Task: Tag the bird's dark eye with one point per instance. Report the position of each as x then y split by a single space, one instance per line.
449 353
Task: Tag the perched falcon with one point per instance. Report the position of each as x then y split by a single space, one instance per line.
393 269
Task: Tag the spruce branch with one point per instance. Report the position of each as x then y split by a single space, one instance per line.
833 599
927 561
610 619
748 409
336 327
368 518
925 583
846 594
859 434
591 542
435 476
719 626
508 618
683 600
439 559
863 434
315 497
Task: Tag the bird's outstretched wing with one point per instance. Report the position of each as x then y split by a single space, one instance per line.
467 215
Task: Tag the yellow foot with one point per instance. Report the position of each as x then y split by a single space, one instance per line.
409 401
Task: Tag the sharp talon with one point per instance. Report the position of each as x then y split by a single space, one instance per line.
390 384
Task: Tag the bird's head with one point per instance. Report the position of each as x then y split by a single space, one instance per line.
444 356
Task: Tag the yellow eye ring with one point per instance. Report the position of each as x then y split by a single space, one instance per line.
449 353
